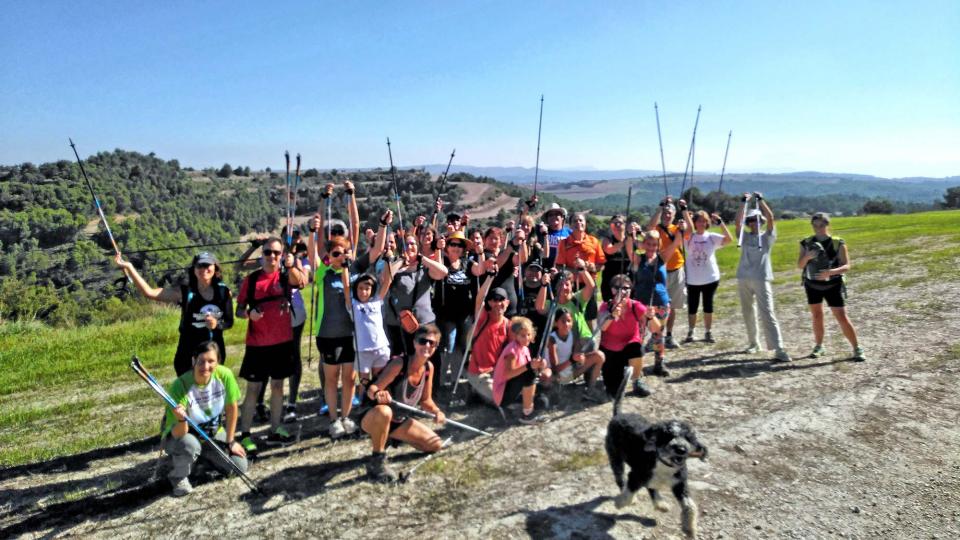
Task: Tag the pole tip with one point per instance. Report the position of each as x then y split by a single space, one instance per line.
71 141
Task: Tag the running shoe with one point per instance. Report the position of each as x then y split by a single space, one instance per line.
689 338
753 348
818 351
379 470
782 356
671 343
349 426
336 429
531 419
858 354
659 370
324 409
262 415
356 399
248 445
594 395
280 437
182 487
708 338
641 389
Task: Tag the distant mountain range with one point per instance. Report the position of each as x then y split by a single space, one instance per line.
523 175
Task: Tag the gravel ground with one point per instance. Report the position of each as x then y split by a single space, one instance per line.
815 448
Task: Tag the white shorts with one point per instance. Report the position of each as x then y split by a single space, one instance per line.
368 361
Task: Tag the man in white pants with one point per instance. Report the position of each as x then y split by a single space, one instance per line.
754 275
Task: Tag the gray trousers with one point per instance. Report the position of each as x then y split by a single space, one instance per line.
187 449
756 295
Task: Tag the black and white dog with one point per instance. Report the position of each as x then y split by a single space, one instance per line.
657 454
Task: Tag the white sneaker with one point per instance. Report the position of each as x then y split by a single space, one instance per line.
349 426
336 429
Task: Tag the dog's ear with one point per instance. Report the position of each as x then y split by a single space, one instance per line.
699 449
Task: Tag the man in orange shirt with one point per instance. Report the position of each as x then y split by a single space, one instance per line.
582 251
662 221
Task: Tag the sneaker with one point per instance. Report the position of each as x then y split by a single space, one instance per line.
818 351
659 370
289 414
670 343
753 348
324 409
248 445
782 356
279 437
379 470
708 338
689 338
181 487
336 429
531 419
641 389
858 355
349 426
262 415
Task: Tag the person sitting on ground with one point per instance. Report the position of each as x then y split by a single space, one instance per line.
622 321
703 272
576 304
408 380
566 363
754 274
205 300
824 261
662 222
265 299
650 288
515 374
489 337
208 395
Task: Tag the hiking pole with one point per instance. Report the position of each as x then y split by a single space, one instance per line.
286 156
405 476
724 169
396 188
759 223
743 221
690 153
663 164
296 188
416 410
138 368
96 202
440 185
536 171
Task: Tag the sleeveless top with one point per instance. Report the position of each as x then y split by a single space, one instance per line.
564 348
409 394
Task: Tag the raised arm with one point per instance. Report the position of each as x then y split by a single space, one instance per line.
436 270
727 237
380 241
352 211
767 213
168 295
739 219
482 294
345 279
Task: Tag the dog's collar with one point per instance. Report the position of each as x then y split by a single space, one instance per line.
667 463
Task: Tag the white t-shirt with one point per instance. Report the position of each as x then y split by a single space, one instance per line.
369 324
701 262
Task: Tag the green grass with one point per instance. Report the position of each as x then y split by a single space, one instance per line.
64 391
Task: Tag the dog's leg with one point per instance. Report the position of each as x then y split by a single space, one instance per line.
616 463
688 509
658 501
624 498
635 481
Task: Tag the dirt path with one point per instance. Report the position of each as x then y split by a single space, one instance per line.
810 449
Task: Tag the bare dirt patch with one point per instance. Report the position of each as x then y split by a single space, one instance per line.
815 448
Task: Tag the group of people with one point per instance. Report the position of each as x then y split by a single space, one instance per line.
517 309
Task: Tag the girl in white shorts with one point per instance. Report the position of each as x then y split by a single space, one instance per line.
373 349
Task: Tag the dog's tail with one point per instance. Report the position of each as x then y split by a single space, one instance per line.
627 374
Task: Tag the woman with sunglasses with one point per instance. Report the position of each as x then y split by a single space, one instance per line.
453 298
409 380
206 306
622 321
409 281
614 246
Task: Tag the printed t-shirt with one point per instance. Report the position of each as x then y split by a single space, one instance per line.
701 263
487 346
204 404
627 329
500 372
553 240
275 326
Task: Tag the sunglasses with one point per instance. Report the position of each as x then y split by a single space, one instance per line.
617 223
411 243
427 342
271 252
496 299
204 265
457 244
620 288
336 254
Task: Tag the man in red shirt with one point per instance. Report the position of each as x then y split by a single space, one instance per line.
489 338
269 342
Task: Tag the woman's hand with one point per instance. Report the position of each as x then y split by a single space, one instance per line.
236 449
538 364
382 397
255 315
440 418
824 275
211 321
441 243
180 413
578 357
348 187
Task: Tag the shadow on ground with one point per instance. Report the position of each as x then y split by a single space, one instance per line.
581 520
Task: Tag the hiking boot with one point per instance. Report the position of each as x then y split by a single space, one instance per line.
659 370
670 343
289 414
181 487
689 338
280 437
708 338
818 351
336 429
641 389
378 470
349 426
262 414
248 445
753 348
531 419
858 355
782 356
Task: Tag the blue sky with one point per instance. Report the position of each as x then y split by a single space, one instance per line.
853 86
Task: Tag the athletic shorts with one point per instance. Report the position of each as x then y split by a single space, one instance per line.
482 384
368 361
270 362
515 386
677 288
835 295
336 351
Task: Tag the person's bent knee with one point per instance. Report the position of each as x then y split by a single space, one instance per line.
432 444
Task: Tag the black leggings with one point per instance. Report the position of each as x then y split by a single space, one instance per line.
615 363
693 297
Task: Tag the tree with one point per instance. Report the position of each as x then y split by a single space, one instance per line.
877 206
310 173
225 171
951 199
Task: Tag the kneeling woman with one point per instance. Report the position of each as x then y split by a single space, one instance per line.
408 380
207 394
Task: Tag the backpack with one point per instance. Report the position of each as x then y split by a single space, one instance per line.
252 289
827 258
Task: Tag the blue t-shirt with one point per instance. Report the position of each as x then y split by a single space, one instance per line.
553 239
646 277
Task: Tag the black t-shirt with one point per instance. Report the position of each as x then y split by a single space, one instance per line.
453 297
505 280
528 307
